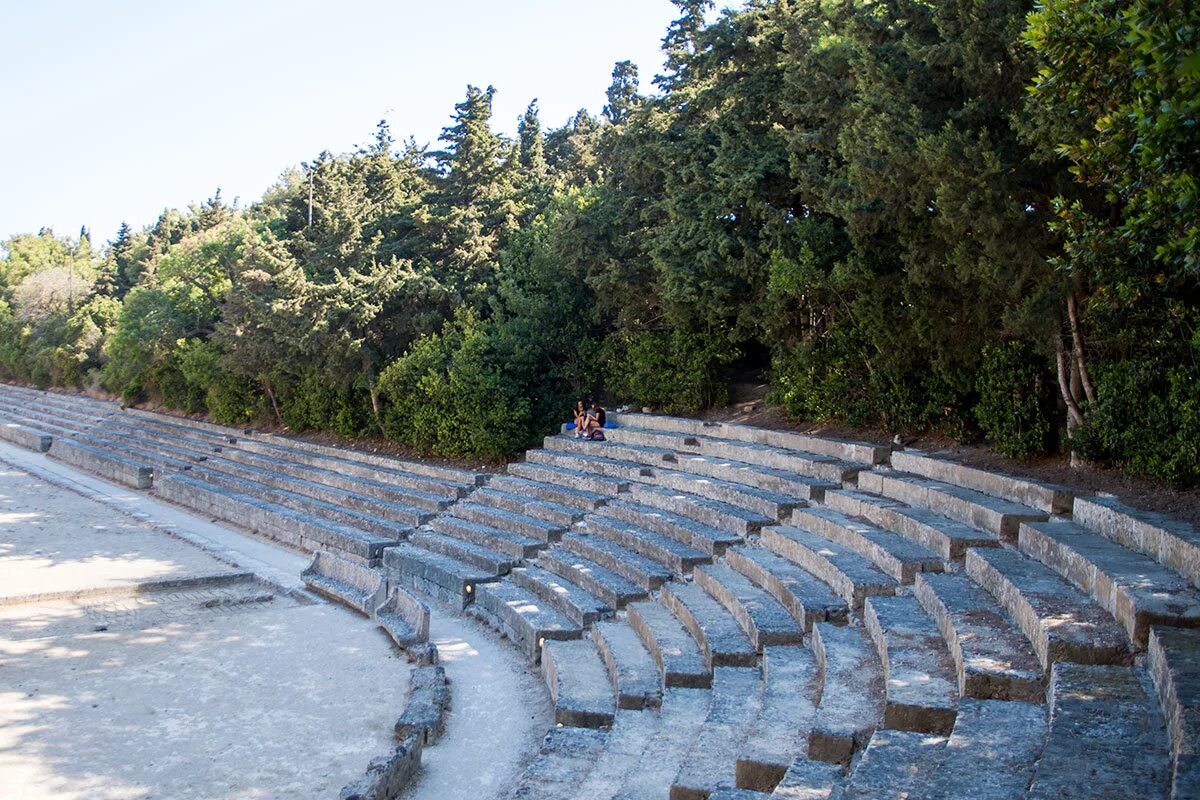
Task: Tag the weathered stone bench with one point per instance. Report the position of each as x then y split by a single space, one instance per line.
566 441
645 573
1174 662
722 641
579 684
852 694
785 482
512 521
477 556
680 528
593 464
523 617
991 753
712 759
549 492
348 582
895 764
631 668
434 574
763 619
765 503
406 620
26 437
1135 589
895 555
568 599
1170 542
561 515
791 688
428 702
850 575
1104 730
806 598
713 513
1057 619
103 463
567 478
513 545
612 589
666 550
984 512
1048 498
920 686
565 758
947 538
992 657
674 649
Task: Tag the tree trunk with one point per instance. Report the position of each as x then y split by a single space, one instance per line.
1065 375
1085 377
274 405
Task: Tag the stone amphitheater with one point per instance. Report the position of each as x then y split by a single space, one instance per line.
727 612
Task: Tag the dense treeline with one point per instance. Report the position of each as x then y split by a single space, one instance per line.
979 217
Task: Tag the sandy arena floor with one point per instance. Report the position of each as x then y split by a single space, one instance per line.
211 689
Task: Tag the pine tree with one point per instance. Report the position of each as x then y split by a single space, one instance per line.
623 95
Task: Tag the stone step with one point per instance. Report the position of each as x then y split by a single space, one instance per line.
24 394
858 452
492 562
346 582
920 684
578 683
404 618
981 511
672 441
556 513
895 764
810 780
712 760
678 557
851 704
591 464
1060 622
548 492
434 574
780 734
648 748
941 535
25 436
305 504
573 602
785 482
346 462
614 590
683 529
674 649
509 521
567 478
850 575
1168 541
526 619
163 463
638 454
37 416
346 457
991 753
645 573
992 657
713 513
893 554
297 529
1174 662
762 502
565 759
1047 498
763 619
813 465
17 417
721 639
1106 732
806 598
513 545
114 467
631 668
154 424
1135 589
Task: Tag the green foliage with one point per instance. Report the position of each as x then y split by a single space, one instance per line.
901 213
1147 420
1015 399
674 372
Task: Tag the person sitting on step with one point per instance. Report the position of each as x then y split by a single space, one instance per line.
594 425
581 417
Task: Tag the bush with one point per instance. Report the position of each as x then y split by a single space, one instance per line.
676 372
1016 400
1146 419
229 398
315 403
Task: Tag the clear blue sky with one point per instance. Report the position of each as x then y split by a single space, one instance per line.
113 111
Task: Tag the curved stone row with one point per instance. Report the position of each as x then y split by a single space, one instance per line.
725 611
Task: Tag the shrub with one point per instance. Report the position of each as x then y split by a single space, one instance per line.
674 372
1016 400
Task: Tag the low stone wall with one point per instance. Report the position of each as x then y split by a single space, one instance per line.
102 463
26 437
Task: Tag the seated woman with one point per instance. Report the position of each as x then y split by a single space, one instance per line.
594 425
581 418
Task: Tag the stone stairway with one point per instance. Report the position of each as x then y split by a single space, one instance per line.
725 611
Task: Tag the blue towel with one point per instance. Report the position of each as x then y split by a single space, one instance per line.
570 426
610 425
